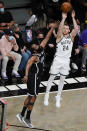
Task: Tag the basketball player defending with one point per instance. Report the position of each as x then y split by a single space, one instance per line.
62 56
32 76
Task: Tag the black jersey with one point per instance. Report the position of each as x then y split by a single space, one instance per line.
37 67
34 76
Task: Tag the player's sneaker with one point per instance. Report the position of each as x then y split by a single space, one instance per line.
46 97
58 101
20 117
28 123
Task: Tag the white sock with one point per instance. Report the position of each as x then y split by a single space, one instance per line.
61 84
49 84
46 97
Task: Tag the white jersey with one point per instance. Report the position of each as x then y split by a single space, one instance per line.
62 56
64 48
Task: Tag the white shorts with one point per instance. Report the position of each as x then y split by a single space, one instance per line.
60 66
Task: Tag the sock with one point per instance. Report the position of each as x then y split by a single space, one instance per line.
23 111
61 84
49 84
28 114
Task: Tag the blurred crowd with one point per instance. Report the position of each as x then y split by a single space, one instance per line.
15 44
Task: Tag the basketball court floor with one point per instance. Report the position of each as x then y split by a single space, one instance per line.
71 116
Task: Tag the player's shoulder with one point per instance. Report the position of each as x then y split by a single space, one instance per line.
59 39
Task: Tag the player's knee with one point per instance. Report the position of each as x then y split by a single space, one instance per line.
30 107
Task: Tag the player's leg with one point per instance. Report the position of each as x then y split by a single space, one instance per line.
49 84
60 88
22 113
33 86
30 104
25 105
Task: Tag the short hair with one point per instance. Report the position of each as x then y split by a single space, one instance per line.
33 42
66 24
1 2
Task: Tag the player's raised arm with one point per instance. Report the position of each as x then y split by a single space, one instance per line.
52 26
74 31
59 33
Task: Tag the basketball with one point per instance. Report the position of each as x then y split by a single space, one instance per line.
66 7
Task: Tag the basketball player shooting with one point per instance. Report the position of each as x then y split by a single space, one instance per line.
62 56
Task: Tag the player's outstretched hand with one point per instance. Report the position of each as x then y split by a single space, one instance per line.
54 25
64 15
24 80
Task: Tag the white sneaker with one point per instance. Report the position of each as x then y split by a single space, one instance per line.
15 73
74 66
20 117
46 97
4 76
58 101
28 123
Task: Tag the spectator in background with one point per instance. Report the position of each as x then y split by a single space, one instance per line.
6 19
38 10
80 7
31 26
32 20
82 47
30 29
0 63
52 9
85 7
8 46
25 53
1 34
0 60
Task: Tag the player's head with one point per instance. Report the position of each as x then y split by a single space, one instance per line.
34 46
66 29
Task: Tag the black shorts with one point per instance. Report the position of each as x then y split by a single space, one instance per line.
33 84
